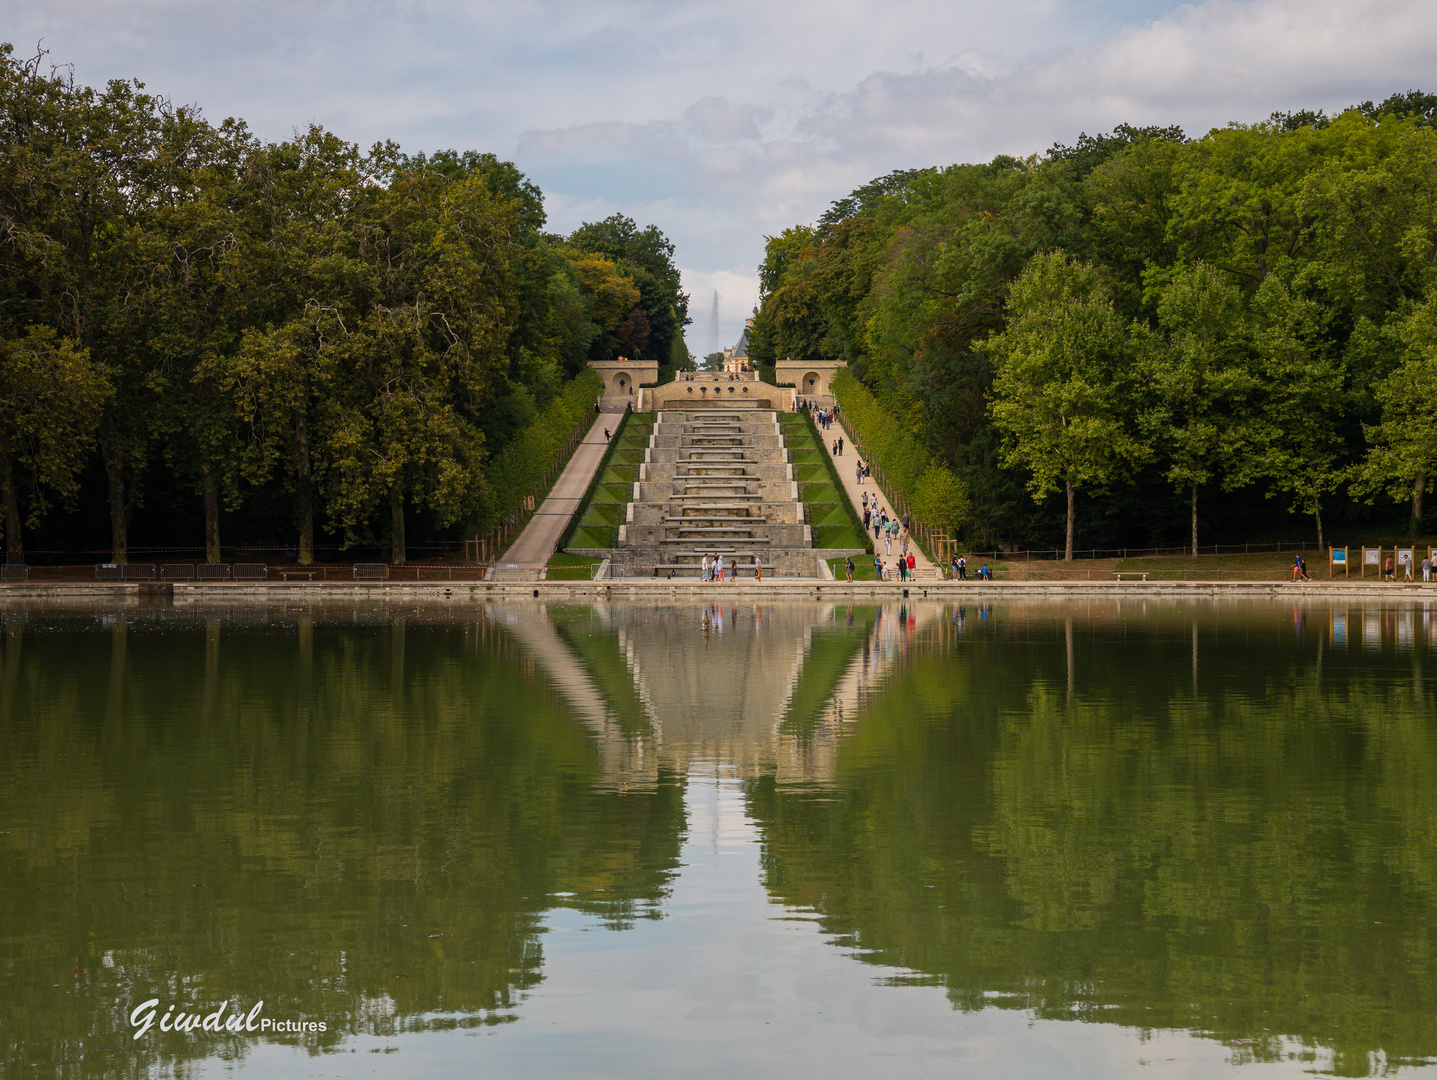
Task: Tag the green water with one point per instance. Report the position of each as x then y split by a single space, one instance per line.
501 840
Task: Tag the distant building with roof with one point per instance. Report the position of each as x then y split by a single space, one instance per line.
735 359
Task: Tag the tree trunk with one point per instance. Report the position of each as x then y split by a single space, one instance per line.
1419 489
396 544
14 541
119 504
212 508
1317 513
1068 547
303 489
1194 521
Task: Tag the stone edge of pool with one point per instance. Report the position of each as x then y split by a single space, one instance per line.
800 589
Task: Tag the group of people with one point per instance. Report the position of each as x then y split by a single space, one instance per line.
1404 560
959 570
713 569
905 567
889 530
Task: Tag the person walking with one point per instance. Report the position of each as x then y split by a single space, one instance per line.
877 567
718 567
903 539
867 514
858 474
1387 574
887 542
707 568
757 567
840 446
848 568
912 565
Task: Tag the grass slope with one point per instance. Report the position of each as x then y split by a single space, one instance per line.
597 523
831 517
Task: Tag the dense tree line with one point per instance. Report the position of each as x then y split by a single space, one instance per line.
289 339
1161 339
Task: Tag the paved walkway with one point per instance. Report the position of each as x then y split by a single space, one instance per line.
846 464
536 543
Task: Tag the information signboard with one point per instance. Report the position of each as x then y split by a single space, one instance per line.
1371 557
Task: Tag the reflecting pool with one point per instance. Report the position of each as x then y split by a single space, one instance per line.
1035 839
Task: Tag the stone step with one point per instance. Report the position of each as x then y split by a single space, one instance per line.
748 496
693 522
697 554
718 534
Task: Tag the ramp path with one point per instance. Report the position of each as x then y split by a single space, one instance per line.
847 466
540 537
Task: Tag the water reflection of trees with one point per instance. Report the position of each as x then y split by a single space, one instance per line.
1244 845
357 823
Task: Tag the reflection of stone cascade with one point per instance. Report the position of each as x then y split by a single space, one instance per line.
716 480
718 682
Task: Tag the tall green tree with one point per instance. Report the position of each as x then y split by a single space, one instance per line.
1402 450
199 248
1303 398
645 256
1204 417
1063 389
424 357
78 171
50 400
283 374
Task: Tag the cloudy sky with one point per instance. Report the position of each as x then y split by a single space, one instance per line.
725 121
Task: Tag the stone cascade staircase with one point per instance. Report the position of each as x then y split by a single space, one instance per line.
715 480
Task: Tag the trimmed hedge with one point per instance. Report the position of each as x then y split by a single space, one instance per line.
934 492
515 470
